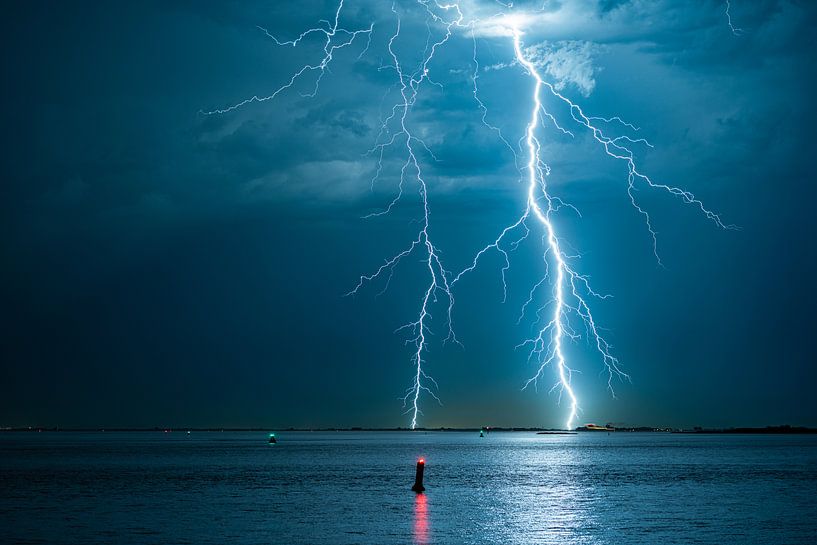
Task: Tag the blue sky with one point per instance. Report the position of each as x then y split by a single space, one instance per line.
164 267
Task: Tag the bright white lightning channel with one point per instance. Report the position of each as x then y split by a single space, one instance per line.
570 290
536 181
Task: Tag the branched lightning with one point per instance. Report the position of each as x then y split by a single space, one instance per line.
569 286
438 284
335 37
556 316
570 289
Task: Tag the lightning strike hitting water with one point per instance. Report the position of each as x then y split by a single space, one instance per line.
536 183
438 282
570 289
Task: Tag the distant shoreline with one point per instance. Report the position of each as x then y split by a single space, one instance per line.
768 430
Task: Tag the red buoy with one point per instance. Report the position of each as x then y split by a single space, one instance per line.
418 478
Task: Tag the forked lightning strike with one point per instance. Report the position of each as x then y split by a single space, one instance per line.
570 289
438 282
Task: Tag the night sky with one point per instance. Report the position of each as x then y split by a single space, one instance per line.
161 267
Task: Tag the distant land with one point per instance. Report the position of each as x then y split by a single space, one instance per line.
768 430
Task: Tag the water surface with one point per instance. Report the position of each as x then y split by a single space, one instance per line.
350 488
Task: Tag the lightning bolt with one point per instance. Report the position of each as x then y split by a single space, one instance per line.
547 346
335 36
735 30
570 290
438 284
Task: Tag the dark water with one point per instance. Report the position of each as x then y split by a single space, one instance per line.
314 488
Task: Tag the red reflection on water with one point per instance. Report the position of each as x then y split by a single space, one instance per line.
420 519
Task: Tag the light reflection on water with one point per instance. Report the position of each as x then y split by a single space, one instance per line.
337 488
421 519
545 503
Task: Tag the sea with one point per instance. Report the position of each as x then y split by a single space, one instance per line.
355 488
